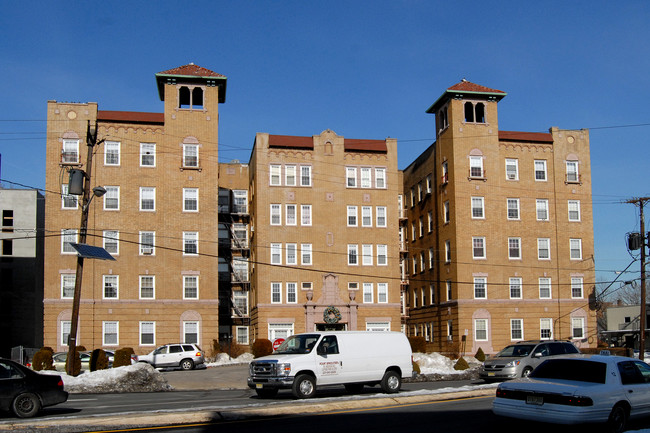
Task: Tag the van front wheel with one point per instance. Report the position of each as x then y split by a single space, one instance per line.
391 383
304 386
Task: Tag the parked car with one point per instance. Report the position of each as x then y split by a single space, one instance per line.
584 389
111 356
520 359
183 355
25 392
59 359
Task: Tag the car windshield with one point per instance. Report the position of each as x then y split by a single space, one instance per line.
581 370
516 351
302 343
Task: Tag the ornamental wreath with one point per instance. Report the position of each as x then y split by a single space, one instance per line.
331 314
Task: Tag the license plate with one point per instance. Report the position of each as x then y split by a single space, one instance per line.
491 374
259 386
535 399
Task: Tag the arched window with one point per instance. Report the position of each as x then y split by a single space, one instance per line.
197 97
184 98
469 112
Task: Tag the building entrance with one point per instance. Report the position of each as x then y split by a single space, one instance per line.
330 326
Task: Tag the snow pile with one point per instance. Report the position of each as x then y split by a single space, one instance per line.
434 363
224 359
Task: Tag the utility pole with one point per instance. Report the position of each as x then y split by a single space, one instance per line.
641 201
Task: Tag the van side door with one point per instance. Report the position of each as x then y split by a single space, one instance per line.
329 361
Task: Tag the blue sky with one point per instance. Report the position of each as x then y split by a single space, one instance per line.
365 69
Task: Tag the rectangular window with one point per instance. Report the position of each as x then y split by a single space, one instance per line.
147 243
274 175
112 198
430 258
292 293
478 207
514 248
545 329
382 293
110 332
382 255
292 254
413 232
420 195
513 208
381 216
147 198
276 293
276 254
190 243
515 288
240 201
380 178
544 288
305 215
353 252
191 155
444 178
576 249
574 210
190 287
476 166
543 248
305 254
111 289
70 152
366 216
68 236
478 247
68 201
351 177
276 215
190 199
147 287
239 269
147 154
542 209
67 285
576 288
572 175
240 303
352 216
290 216
540 170
516 329
280 330
65 332
366 181
305 175
448 286
447 251
480 288
430 217
147 333
290 175
428 184
512 169
366 255
577 327
421 226
415 265
367 293
191 332
480 330
242 335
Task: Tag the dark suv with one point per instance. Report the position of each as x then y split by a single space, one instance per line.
520 359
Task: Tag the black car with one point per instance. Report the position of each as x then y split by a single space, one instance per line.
25 392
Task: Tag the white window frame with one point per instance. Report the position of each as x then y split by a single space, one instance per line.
306 258
513 173
241 335
575 249
292 292
275 214
578 323
514 245
447 251
542 210
188 327
540 168
276 253
480 329
574 207
147 326
141 286
480 285
190 285
509 207
291 259
305 176
380 215
545 324
380 178
516 325
290 175
112 194
275 175
353 255
69 236
382 255
477 204
350 177
115 280
108 326
147 194
145 248
67 285
572 173
366 216
67 200
382 293
190 239
70 151
577 288
483 248
366 255
276 292
305 215
352 216
291 215
476 162
191 155
109 238
147 152
365 174
515 286
66 326
368 293
543 244
544 285
190 197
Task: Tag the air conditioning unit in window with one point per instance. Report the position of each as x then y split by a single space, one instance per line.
511 176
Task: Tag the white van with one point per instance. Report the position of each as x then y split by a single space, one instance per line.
351 358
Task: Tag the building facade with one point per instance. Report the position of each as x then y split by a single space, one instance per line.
499 231
158 218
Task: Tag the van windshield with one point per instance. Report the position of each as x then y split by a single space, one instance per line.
516 351
303 343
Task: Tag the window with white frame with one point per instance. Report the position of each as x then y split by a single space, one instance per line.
190 287
276 214
577 327
545 329
110 333
240 302
516 329
240 269
276 254
147 333
432 294
412 197
190 199
368 293
446 214
70 152
190 243
147 243
382 255
147 198
352 216
444 179
512 169
190 155
415 265
242 335
430 258
366 181
576 249
544 288
274 175
366 216
381 216
478 207
515 288
112 198
430 218
351 177
574 210
305 254
450 330
240 201
382 293
111 240
380 178
305 175
480 329
292 253
111 286
420 194
428 184
276 293
513 208
543 248
147 287
191 332
366 255
540 170
147 154
280 330
541 206
413 232
240 235
68 201
576 288
480 288
447 251
476 166
67 285
66 325
514 248
572 175
68 236
290 216
292 293
478 247
305 214
290 175
353 255
448 291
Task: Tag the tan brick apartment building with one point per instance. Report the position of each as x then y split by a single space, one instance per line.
499 231
158 218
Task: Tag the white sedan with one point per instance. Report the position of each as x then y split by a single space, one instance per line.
586 389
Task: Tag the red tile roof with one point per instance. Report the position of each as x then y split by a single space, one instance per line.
191 70
531 137
466 86
130 117
350 145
